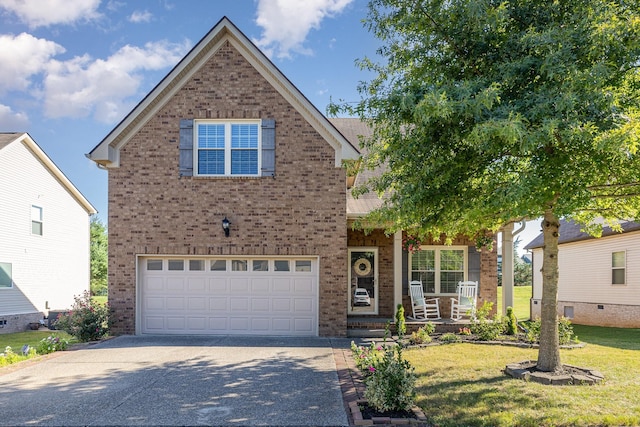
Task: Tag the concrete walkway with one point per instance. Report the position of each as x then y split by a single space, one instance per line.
221 381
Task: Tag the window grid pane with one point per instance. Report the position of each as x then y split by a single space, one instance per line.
428 279
617 259
211 162
238 265
244 136
260 265
281 265
449 281
303 265
244 162
176 265
219 265
618 276
211 136
451 260
196 265
154 264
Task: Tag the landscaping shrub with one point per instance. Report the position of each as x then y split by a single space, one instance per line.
401 326
9 356
450 337
422 335
483 327
50 344
391 384
512 322
87 321
565 331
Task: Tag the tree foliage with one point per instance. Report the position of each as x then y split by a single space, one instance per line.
486 112
99 262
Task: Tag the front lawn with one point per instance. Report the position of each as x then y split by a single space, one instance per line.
463 384
521 298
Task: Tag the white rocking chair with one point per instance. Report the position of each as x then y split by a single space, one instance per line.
465 304
423 308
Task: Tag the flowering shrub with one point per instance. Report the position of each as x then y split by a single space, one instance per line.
9 356
464 331
50 344
87 321
411 244
389 379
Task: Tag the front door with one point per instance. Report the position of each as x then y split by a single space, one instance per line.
363 281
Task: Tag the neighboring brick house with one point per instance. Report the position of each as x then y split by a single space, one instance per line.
226 136
598 282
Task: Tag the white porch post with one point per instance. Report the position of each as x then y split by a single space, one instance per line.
397 270
507 267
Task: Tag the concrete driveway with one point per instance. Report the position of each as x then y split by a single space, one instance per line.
141 380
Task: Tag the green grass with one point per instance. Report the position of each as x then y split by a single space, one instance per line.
100 299
17 340
463 384
521 297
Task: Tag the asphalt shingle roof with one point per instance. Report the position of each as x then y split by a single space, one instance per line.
570 232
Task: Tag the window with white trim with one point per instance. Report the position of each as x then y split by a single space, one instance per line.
36 220
6 280
439 268
618 268
227 148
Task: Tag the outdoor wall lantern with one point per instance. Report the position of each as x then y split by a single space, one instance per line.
225 226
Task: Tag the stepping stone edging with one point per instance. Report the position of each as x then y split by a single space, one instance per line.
575 375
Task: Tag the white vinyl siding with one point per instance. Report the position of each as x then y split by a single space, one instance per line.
585 271
50 268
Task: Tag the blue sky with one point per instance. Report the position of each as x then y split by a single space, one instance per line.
70 70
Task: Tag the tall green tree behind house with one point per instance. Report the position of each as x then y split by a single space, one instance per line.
486 112
98 249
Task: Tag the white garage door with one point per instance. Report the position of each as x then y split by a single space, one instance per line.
242 296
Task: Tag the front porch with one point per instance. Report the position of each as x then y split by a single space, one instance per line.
374 327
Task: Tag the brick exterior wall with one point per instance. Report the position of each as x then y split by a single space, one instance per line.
301 211
610 315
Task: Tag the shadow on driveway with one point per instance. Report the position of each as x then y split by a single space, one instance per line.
147 380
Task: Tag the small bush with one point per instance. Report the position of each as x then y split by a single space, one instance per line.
87 321
9 357
484 328
450 337
391 386
565 331
421 336
366 358
50 344
401 326
512 322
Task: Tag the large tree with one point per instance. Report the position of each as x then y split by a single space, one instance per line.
485 112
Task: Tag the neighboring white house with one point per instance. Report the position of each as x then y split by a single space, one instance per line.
599 279
44 235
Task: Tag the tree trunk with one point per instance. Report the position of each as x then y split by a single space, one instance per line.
549 352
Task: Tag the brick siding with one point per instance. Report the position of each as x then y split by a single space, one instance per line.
610 315
301 211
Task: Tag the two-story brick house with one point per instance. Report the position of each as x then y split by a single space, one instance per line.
226 139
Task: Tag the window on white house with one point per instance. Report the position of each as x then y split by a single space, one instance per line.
227 148
618 267
6 280
36 220
438 268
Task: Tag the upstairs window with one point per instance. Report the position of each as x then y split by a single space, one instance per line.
227 148
36 220
618 267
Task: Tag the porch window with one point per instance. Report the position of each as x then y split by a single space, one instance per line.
618 268
439 268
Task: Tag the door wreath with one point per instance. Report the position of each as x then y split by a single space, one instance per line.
362 267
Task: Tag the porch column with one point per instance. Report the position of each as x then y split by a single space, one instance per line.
397 270
507 267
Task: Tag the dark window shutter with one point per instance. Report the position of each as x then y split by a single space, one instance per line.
268 147
474 268
186 147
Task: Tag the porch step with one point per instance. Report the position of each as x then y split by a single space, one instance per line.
375 327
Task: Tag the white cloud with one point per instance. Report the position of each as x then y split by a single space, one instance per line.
21 57
11 121
83 86
39 13
140 16
286 23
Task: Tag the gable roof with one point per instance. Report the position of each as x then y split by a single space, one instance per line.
570 232
353 129
106 153
9 138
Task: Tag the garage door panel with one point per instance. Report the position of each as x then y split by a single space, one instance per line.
239 304
198 284
175 284
206 301
219 285
218 304
281 304
175 303
197 304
